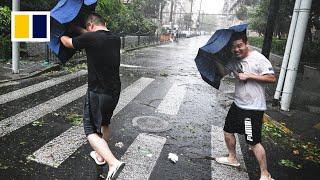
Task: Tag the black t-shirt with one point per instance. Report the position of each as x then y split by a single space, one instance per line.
103 54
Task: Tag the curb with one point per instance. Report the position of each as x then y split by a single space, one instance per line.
80 60
141 47
269 119
33 74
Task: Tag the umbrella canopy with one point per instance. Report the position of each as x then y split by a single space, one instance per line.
213 57
64 13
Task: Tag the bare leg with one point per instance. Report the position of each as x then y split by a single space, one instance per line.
105 136
231 145
102 148
260 154
105 132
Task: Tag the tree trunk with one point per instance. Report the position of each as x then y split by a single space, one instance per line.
273 11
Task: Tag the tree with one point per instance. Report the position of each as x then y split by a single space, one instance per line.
242 13
5 14
267 42
208 23
258 17
147 8
5 41
239 3
125 19
32 5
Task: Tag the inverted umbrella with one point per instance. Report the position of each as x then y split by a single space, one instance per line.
62 15
212 58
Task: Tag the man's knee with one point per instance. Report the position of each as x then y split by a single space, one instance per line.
254 146
92 136
227 134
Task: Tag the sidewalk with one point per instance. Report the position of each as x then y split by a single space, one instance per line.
27 69
291 139
303 118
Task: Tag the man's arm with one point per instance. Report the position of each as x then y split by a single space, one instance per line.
67 41
267 78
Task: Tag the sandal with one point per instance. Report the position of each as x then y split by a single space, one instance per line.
225 161
266 178
94 157
112 175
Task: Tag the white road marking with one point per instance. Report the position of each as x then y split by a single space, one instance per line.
171 103
141 157
59 149
38 87
28 116
128 94
130 66
218 149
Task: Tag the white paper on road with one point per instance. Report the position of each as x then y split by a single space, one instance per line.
28 116
62 147
218 149
38 87
141 157
171 103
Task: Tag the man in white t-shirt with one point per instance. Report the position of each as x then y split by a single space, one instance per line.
245 115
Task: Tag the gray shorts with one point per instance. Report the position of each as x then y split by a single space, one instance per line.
98 110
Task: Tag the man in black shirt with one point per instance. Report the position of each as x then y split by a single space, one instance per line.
103 60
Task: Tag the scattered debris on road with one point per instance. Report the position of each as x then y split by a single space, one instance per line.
119 144
173 157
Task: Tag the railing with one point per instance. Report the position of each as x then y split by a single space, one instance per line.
128 41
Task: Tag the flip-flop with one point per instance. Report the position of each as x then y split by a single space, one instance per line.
225 161
112 175
94 157
266 178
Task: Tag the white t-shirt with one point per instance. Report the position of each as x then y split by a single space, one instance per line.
250 94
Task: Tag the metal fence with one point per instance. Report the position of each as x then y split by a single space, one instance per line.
127 42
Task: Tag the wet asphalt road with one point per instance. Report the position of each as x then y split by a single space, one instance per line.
188 134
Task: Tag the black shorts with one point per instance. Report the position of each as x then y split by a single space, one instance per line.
247 122
98 110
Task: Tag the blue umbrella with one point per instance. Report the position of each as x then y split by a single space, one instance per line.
64 13
212 58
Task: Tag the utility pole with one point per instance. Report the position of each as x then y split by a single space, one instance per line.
190 21
171 15
297 45
161 13
286 55
15 45
198 23
160 17
273 11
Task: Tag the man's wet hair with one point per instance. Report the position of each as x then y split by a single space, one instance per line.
95 19
238 36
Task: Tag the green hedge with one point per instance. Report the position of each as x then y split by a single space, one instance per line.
278 45
5 48
310 51
5 28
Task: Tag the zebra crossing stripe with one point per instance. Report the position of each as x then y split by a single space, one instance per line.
38 87
128 94
56 151
171 103
218 149
59 149
28 116
141 157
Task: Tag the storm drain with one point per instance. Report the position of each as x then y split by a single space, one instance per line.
151 124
